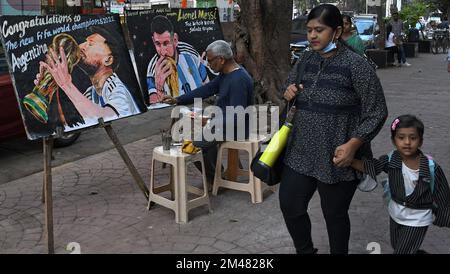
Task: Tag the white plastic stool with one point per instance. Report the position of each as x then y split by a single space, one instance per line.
178 187
254 186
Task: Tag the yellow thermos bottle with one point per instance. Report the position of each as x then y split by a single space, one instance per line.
278 142
276 145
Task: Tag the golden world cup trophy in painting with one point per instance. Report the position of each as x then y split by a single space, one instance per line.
172 80
38 101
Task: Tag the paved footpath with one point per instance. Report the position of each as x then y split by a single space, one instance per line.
98 205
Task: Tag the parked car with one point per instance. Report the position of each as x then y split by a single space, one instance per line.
299 40
434 16
298 30
11 125
367 28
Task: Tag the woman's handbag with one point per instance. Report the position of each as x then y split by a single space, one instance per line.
269 175
268 165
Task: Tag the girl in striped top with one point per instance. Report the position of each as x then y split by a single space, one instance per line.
414 199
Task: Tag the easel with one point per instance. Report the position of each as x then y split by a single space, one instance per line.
47 198
47 193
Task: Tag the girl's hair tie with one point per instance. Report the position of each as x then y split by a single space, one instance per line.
395 123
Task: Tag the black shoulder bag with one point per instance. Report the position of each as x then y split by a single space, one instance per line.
272 175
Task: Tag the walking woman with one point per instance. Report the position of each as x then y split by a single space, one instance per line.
340 109
351 37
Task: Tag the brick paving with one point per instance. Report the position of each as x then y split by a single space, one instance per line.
98 205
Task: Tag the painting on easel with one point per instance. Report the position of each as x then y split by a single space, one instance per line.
70 70
169 45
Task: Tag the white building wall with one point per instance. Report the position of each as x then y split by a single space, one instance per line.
397 3
173 3
226 10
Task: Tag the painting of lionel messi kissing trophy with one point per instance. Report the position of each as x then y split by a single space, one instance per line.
108 97
38 101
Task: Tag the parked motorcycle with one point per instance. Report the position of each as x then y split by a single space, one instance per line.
297 49
439 40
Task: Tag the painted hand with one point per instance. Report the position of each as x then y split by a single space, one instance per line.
169 100
57 67
162 70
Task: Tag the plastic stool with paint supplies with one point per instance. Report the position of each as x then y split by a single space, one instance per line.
178 186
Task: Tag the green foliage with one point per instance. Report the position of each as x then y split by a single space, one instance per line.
411 12
300 4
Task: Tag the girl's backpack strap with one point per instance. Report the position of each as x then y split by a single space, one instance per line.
390 155
431 166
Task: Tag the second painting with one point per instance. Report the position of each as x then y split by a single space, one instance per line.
169 47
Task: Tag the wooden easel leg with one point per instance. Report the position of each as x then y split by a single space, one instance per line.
43 190
43 186
137 177
48 145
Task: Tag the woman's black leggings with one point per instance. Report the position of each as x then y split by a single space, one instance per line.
296 190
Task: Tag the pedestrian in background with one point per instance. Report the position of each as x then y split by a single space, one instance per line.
351 37
340 109
397 29
448 61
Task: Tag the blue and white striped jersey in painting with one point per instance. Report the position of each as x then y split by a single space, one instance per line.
115 95
192 73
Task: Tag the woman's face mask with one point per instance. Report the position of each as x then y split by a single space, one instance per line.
331 46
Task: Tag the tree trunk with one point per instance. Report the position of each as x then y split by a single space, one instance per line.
262 37
381 25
